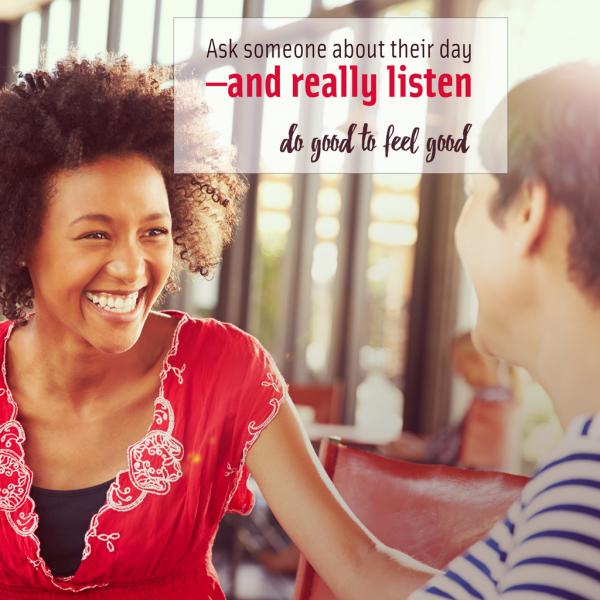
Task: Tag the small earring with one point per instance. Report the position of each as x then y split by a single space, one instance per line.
22 264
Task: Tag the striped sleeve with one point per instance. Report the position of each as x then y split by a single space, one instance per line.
557 546
548 546
475 574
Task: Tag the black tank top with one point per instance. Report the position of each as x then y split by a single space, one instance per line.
65 516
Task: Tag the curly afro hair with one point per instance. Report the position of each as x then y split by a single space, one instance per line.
81 111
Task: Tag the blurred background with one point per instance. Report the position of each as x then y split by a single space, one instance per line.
350 281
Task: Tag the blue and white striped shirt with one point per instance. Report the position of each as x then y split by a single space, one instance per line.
548 545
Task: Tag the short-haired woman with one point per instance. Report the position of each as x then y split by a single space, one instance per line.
530 242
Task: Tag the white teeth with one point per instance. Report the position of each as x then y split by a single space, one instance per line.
112 303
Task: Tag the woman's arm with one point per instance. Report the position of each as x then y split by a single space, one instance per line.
353 563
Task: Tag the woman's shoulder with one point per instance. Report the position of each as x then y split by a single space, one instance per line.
573 468
584 428
228 356
5 327
580 444
212 336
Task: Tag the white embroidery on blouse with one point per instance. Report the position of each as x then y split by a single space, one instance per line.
15 479
108 538
272 381
154 464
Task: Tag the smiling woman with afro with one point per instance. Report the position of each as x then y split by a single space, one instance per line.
127 434
86 109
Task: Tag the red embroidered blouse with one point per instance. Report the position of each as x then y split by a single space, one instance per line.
153 537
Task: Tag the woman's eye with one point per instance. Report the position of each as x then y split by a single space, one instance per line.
158 231
93 236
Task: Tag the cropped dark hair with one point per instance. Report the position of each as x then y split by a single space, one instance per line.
554 136
79 112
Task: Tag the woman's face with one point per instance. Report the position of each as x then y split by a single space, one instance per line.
105 251
500 276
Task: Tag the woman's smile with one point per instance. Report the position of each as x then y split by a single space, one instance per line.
117 307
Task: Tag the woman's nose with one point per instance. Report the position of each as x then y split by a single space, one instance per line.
128 263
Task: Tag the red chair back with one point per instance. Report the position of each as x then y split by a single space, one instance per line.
326 399
431 512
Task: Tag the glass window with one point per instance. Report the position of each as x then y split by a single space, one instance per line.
202 295
93 27
291 11
217 8
137 31
392 234
29 48
323 276
58 31
540 38
274 205
168 11
274 222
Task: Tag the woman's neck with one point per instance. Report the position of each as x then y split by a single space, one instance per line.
64 367
567 358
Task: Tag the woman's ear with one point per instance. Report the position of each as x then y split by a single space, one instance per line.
530 216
